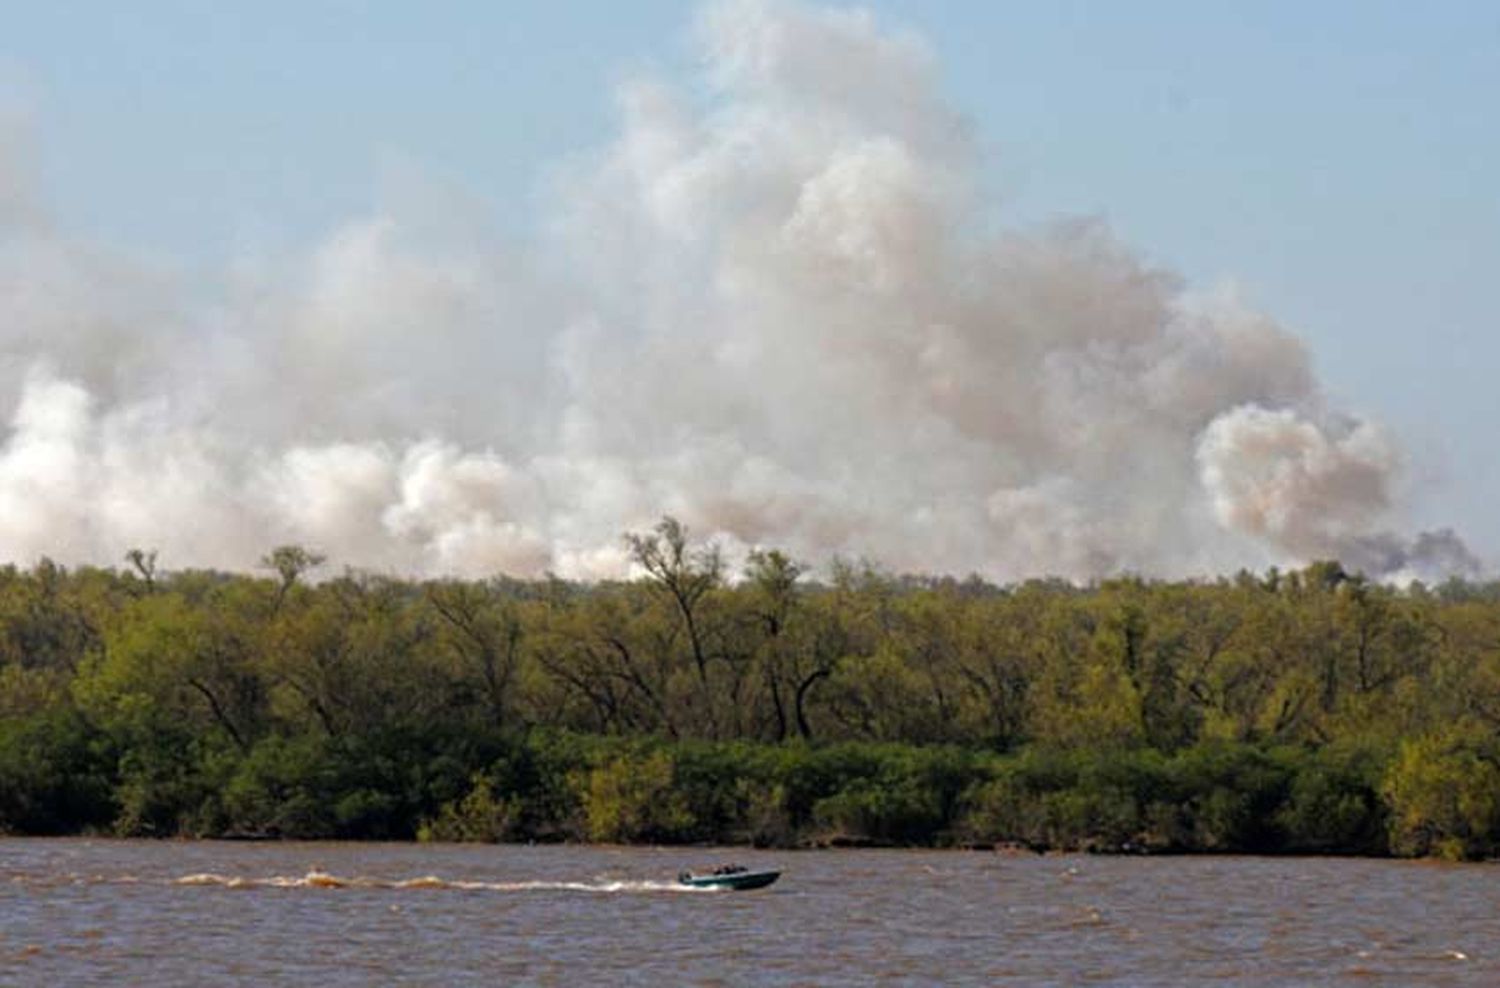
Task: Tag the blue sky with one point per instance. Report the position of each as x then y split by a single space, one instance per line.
1337 161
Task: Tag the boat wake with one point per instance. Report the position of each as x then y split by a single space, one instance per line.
323 880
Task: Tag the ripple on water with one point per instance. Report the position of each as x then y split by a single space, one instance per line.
342 914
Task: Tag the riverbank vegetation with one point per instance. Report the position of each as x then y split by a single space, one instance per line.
1299 712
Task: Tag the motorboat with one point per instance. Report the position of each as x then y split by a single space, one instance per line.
733 877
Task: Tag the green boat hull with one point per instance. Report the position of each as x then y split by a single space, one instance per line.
741 881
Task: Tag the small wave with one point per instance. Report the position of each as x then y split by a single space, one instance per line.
425 882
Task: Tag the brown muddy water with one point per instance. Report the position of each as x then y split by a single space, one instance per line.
83 912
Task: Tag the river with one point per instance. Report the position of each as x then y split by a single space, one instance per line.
83 912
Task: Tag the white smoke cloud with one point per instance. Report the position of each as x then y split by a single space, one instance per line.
772 314
1278 476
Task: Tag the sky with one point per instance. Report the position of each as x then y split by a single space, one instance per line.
1331 165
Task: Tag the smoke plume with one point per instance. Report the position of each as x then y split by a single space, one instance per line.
776 313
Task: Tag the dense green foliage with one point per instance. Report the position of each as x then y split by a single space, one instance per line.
1310 711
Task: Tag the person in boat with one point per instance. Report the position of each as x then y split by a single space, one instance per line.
729 869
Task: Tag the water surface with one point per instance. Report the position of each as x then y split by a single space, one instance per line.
183 913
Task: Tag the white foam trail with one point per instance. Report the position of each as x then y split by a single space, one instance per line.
323 880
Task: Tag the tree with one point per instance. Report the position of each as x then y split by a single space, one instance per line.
683 573
772 585
596 651
1444 794
356 653
167 663
144 564
486 632
289 562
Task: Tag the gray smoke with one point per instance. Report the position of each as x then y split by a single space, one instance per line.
774 316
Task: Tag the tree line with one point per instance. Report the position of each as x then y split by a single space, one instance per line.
1302 711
